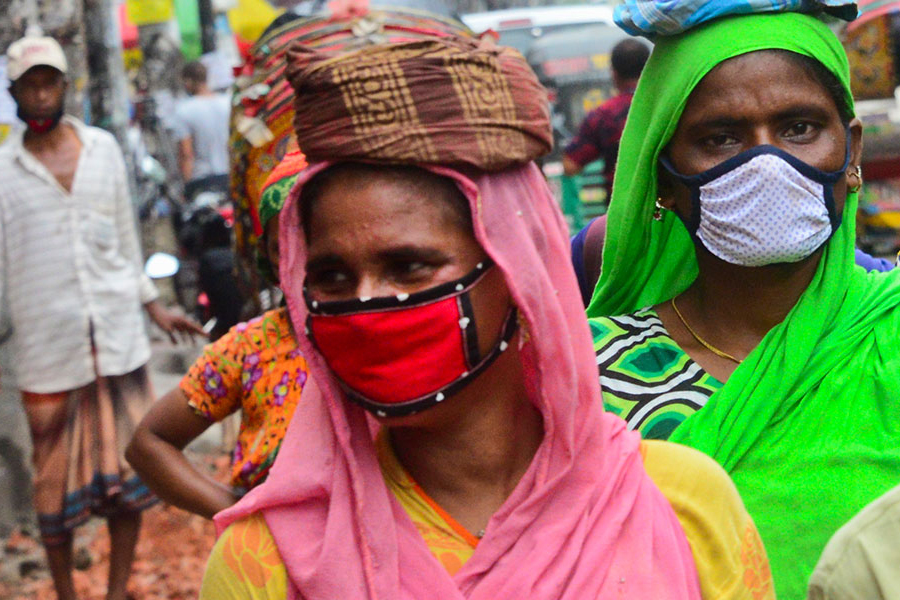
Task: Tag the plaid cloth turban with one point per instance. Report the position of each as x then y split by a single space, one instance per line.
455 102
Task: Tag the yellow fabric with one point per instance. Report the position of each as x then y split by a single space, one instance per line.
245 564
728 552
149 12
450 543
251 17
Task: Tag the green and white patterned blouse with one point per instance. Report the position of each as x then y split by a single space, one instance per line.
647 379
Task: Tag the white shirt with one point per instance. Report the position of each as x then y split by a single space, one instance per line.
862 560
204 119
69 262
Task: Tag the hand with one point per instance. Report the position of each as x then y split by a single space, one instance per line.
171 323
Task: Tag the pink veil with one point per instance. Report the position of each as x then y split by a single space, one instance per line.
584 522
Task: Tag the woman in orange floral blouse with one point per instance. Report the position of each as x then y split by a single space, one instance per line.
256 368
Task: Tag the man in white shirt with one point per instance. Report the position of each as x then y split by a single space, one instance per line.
71 274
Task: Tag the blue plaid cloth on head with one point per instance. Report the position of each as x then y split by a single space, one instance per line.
650 18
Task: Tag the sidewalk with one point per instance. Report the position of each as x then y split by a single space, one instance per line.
173 547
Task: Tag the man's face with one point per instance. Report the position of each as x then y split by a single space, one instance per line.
40 92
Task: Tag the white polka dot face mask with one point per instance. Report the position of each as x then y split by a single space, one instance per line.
762 207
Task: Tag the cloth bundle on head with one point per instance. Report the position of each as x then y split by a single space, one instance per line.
807 425
669 17
585 521
262 118
453 102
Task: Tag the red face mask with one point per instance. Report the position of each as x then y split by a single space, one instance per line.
40 125
398 355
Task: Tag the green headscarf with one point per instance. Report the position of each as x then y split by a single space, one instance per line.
274 193
808 425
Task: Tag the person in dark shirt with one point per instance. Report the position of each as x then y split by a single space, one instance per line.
216 272
599 133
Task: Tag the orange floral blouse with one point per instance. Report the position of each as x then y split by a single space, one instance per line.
256 368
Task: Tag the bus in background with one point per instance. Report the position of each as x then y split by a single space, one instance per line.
521 27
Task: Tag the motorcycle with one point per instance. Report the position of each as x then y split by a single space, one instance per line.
198 230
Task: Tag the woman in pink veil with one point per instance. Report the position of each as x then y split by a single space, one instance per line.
452 442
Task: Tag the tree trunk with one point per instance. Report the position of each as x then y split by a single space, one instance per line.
107 88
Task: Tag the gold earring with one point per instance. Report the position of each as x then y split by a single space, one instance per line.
856 172
657 212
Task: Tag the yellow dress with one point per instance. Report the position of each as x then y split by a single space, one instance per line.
728 552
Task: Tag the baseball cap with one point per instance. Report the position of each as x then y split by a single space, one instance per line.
34 51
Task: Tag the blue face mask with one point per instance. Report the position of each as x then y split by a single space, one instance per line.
762 207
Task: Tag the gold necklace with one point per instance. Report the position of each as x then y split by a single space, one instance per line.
703 342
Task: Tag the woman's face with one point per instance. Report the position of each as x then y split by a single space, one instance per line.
374 235
754 99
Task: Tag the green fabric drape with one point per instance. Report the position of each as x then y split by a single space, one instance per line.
188 17
808 425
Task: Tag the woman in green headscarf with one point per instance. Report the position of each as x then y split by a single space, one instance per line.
729 260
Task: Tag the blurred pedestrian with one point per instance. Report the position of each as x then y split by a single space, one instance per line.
71 270
218 276
598 137
201 127
599 133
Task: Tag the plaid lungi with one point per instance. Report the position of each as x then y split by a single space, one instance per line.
79 439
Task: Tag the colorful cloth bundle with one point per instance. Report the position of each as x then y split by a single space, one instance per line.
455 103
274 192
650 18
263 114
872 9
